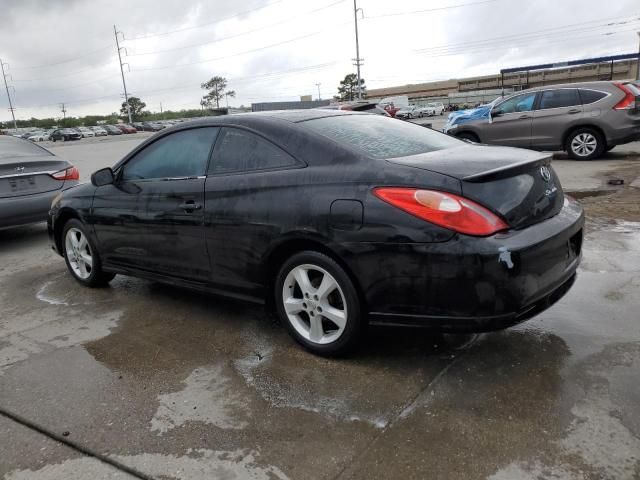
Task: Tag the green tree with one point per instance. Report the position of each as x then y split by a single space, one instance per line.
348 88
216 87
136 105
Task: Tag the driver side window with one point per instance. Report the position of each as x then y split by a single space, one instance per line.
180 154
519 103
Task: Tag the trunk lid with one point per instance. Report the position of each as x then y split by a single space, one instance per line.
30 175
519 185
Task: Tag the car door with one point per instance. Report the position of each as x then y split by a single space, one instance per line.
151 217
556 110
510 122
242 216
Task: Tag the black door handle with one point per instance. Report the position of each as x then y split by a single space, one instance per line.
522 117
573 110
190 206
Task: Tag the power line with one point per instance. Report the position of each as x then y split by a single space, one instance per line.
205 24
428 10
545 31
217 40
88 54
164 67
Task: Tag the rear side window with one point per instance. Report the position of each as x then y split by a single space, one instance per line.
242 151
180 154
563 97
591 96
519 103
380 137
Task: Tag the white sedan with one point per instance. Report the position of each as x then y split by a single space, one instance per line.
99 131
39 137
86 132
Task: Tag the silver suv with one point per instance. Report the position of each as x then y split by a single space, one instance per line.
583 119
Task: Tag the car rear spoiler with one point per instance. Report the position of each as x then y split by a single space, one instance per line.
509 170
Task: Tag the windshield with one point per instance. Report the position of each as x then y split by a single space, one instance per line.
380 137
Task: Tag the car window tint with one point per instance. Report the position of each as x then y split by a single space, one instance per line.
519 103
380 137
240 151
180 154
563 97
591 96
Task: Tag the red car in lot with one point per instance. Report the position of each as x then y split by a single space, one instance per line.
127 128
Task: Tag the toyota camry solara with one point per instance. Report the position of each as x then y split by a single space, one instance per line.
334 219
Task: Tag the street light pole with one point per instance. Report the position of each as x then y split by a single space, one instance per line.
357 59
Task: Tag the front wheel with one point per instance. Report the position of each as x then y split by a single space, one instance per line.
318 303
585 144
81 256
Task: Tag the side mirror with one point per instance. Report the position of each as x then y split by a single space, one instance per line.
104 176
496 112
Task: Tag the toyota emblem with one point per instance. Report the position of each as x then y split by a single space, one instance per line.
19 169
545 173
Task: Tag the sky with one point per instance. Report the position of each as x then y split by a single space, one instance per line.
64 51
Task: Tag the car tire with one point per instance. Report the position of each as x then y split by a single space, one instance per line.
309 287
81 256
471 137
585 144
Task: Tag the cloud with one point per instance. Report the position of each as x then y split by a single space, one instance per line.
65 52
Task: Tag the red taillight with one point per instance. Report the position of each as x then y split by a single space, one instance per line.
444 209
629 100
70 173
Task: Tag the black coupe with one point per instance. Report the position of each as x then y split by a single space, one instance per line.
336 219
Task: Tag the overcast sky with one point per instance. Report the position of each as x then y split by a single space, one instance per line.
272 50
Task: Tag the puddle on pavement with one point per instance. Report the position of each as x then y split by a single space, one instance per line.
202 463
580 194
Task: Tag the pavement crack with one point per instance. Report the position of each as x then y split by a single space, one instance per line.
409 406
65 440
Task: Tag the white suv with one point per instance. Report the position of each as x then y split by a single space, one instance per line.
434 108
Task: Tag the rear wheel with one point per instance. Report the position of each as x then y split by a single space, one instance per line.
318 303
81 256
471 137
585 144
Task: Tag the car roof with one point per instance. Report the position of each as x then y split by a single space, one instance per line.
604 84
293 116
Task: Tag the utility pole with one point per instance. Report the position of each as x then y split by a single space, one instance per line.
161 114
358 60
124 84
638 60
4 77
64 113
318 85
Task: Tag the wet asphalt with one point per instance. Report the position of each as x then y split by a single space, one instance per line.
142 380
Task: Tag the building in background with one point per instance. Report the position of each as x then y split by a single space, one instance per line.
266 106
483 89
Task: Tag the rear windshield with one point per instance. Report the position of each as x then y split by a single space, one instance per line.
11 147
381 137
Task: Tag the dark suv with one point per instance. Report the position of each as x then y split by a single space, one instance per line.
65 134
583 119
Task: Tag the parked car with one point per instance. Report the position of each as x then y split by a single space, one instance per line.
411 111
433 108
138 126
30 177
359 106
99 131
271 207
112 130
152 127
124 128
583 119
38 137
85 132
65 134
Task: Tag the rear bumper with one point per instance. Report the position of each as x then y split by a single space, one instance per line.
27 209
470 283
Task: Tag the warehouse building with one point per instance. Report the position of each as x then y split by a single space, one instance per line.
486 88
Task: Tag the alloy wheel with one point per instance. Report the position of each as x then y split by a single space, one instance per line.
314 304
584 144
79 253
